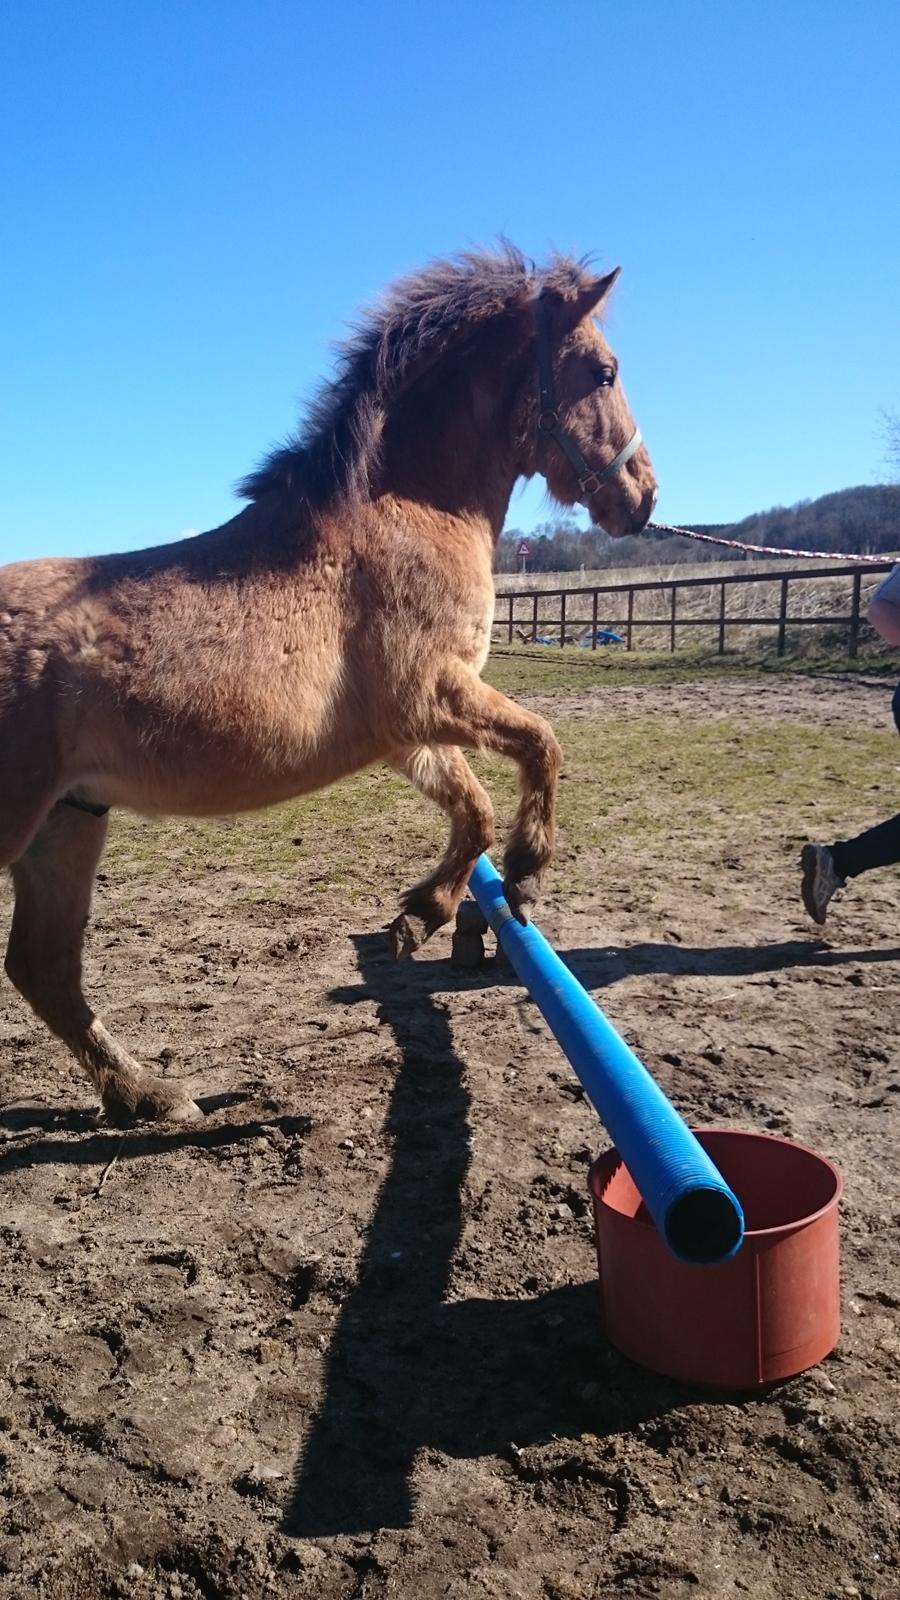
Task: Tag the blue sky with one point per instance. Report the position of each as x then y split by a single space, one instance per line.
198 196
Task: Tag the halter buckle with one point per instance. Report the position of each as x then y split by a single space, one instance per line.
589 485
548 421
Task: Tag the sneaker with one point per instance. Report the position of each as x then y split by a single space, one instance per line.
820 880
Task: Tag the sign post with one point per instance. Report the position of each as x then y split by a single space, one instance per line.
523 552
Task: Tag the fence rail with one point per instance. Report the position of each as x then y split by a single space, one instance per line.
508 616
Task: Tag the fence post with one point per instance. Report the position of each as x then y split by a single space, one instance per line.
672 623
511 605
630 619
722 618
534 617
782 615
594 623
853 644
562 617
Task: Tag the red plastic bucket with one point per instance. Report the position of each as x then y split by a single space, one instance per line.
769 1312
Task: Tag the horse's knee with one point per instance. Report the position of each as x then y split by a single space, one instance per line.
480 821
26 962
548 754
19 823
540 781
531 845
48 977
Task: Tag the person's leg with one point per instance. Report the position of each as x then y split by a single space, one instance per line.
826 868
877 847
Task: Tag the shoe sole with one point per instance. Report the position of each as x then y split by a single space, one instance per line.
810 867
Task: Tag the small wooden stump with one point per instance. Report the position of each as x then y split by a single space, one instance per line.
468 939
467 950
469 918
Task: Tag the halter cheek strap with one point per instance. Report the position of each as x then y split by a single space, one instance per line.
589 480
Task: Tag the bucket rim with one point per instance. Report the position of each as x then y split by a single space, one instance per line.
609 1161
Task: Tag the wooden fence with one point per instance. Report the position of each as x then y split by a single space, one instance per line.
509 621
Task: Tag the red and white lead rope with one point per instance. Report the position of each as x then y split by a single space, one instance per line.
762 549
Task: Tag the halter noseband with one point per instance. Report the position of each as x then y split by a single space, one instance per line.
549 424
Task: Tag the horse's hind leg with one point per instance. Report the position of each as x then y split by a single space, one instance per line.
53 881
444 775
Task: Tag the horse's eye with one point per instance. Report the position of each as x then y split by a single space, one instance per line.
604 377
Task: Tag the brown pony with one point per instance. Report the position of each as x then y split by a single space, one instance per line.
342 617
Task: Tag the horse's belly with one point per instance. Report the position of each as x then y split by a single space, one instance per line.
214 785
222 752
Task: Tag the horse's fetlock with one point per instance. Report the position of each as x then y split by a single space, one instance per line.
432 907
526 858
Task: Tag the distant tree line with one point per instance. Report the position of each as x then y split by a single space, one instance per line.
863 521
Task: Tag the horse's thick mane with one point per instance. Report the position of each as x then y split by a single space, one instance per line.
337 446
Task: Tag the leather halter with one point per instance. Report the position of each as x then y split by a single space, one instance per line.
589 480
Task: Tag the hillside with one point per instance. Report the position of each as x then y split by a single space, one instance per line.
864 520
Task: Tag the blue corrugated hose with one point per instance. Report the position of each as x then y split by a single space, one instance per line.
688 1199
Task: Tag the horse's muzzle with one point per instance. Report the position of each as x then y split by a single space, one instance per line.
644 512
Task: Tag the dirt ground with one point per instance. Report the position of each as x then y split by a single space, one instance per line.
342 1339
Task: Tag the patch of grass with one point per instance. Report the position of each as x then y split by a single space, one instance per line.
658 779
650 784
532 669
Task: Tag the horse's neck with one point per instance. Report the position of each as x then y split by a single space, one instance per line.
453 452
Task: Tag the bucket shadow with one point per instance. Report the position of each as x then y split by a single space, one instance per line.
407 1370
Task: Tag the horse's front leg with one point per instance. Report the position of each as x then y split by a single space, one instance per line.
471 713
442 773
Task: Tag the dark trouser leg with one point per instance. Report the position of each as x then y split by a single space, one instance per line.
877 847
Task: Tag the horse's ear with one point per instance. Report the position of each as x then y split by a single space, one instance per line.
572 308
588 300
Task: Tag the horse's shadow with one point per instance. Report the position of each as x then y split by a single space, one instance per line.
100 1143
600 966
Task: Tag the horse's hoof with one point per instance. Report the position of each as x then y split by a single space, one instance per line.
182 1110
156 1101
406 935
522 897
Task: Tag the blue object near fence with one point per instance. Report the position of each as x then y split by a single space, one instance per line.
688 1199
602 636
